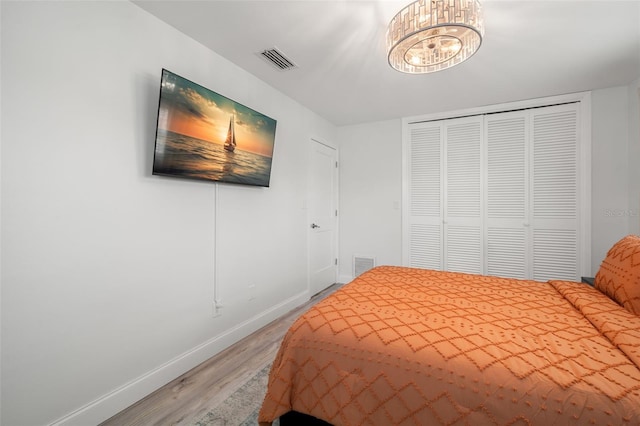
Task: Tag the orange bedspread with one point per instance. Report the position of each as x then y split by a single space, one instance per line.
409 346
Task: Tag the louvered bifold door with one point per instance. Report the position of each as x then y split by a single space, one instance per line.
425 195
555 192
507 193
463 239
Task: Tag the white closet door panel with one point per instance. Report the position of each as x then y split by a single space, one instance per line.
425 171
463 248
507 192
507 166
507 252
425 246
555 187
555 163
555 254
463 194
463 167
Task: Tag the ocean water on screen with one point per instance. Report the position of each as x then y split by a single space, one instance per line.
184 156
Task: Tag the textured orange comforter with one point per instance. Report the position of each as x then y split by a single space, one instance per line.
418 347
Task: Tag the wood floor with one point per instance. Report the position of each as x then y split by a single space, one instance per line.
190 396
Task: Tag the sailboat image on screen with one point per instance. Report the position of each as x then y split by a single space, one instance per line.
230 142
192 140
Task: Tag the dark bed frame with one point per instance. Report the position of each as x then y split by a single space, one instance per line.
293 418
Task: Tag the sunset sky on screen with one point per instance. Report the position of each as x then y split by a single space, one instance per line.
192 110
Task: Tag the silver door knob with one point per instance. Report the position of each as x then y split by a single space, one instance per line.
314 226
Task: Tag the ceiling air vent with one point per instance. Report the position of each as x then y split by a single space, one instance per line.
277 59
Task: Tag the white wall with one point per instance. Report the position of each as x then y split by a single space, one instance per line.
370 194
610 168
370 182
634 157
107 271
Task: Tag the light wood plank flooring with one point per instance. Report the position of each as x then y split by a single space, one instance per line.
192 395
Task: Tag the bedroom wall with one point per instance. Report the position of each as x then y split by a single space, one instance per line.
107 272
634 157
610 202
364 148
370 196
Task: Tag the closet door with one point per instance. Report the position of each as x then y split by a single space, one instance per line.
463 240
503 194
555 192
424 228
507 193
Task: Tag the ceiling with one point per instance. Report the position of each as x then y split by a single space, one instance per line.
530 49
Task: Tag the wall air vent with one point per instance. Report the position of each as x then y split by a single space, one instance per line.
362 264
277 59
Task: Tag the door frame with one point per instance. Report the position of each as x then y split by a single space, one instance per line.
311 144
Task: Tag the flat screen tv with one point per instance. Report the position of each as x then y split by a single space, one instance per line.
203 135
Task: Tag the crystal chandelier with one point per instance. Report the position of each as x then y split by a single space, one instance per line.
431 35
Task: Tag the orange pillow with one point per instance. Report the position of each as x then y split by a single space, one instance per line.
619 273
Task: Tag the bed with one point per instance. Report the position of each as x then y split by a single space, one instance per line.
405 346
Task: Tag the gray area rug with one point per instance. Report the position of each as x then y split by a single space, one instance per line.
242 406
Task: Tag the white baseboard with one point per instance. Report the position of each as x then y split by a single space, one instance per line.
112 403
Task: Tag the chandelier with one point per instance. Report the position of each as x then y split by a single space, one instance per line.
431 35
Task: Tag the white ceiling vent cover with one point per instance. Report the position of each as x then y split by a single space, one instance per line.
277 59
362 264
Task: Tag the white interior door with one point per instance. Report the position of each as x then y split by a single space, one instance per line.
462 230
555 212
507 223
423 223
322 208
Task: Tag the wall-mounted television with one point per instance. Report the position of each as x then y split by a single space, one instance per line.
203 135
